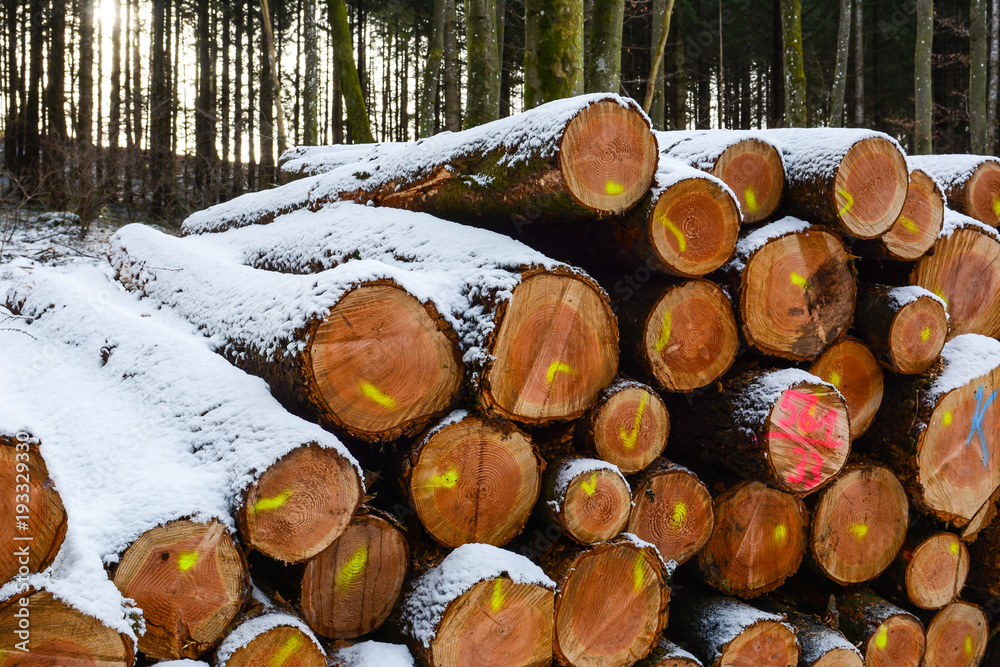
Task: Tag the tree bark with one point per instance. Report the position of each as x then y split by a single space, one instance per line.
553 55
796 114
923 134
482 93
161 165
85 108
840 72
452 101
205 114
55 107
350 84
432 70
993 133
978 76
311 90
859 63
604 58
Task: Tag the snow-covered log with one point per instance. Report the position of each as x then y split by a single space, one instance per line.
312 160
266 635
745 161
672 510
963 269
905 327
472 480
668 654
916 228
971 183
581 157
853 179
480 604
359 347
939 434
794 288
886 634
820 645
957 636
372 654
851 367
589 499
930 570
538 336
628 426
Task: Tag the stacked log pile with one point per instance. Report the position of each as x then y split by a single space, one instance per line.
565 391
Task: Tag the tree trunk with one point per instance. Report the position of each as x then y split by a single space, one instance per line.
350 83
587 499
114 120
85 110
206 157
161 163
55 108
794 64
886 634
859 63
655 101
553 54
979 42
432 70
923 131
821 646
851 367
452 101
272 70
238 121
604 58
993 133
840 72
627 426
971 183
905 326
310 93
482 93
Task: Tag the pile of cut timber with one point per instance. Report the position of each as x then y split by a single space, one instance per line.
557 389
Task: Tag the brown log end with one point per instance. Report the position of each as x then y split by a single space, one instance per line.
852 368
897 642
758 541
627 427
349 589
588 498
765 643
917 335
555 349
607 156
668 654
859 524
797 295
754 171
920 222
672 510
284 645
982 193
300 504
839 657
937 571
690 337
382 363
964 270
190 580
474 480
957 636
28 491
694 227
870 187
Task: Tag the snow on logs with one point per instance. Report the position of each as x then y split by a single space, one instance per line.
957 636
905 327
851 367
668 654
587 498
887 635
971 183
821 646
268 636
627 426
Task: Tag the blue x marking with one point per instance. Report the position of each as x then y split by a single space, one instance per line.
977 422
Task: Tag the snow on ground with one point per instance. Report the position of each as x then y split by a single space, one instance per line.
54 238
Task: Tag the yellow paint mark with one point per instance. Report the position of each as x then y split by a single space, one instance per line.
372 392
996 205
265 504
780 533
679 515
908 224
799 281
835 379
186 560
351 570
940 294
946 420
682 243
496 603
590 487
288 649
613 188
859 530
638 573
968 646
629 438
664 333
751 198
445 481
557 367
925 334
848 202
954 548
882 637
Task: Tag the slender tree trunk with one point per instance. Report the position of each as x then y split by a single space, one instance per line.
679 116
662 10
978 75
553 54
127 79
85 110
452 102
161 167
55 106
31 144
273 72
604 58
136 78
840 74
922 80
994 117
310 95
482 96
350 84
237 120
205 112
226 95
859 63
266 82
252 179
501 7
13 122
794 64
777 79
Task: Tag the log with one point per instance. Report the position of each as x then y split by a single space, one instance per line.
854 180
917 227
588 499
270 638
745 161
822 646
794 289
583 157
859 524
758 541
312 160
672 510
887 635
723 631
984 554
957 636
930 570
852 368
472 480
905 327
938 432
964 270
369 653
611 601
39 628
481 605
190 580
627 426
971 183
668 654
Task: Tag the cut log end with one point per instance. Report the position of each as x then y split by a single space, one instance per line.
839 657
694 225
920 222
937 571
982 193
957 636
349 589
630 428
59 634
190 580
690 337
668 654
608 156
474 481
300 504
917 335
851 367
595 506
382 363
765 643
859 525
870 187
284 645
672 511
753 169
556 348
897 642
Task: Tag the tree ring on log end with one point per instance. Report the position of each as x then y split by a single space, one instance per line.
695 225
936 573
596 505
382 363
555 349
690 337
798 295
754 171
672 510
859 525
765 644
982 193
957 636
897 642
839 657
870 187
607 156
631 428
496 622
808 437
284 646
917 335
190 580
852 368
475 481
919 223
611 607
